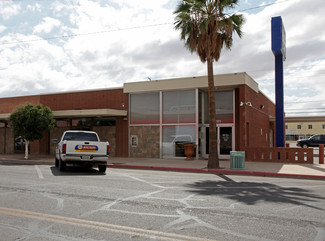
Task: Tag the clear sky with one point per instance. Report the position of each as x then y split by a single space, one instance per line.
51 46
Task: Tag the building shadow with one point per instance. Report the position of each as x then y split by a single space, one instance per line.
314 167
76 171
251 193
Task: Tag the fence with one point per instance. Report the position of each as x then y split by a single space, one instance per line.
280 154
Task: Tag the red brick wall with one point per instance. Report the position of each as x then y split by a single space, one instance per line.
8 105
280 154
253 124
99 99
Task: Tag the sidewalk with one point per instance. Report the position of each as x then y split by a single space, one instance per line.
311 171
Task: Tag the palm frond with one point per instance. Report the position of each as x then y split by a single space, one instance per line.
205 28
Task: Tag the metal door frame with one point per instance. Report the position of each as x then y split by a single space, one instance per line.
218 126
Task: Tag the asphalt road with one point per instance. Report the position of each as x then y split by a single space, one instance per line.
37 202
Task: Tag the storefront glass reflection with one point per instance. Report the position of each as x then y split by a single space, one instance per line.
174 138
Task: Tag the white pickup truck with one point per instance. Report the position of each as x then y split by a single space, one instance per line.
81 148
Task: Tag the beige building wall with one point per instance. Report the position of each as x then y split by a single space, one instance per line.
223 81
304 129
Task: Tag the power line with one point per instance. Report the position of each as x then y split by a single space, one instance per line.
121 29
291 67
310 109
85 34
303 112
263 6
315 101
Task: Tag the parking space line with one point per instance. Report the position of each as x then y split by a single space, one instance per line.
39 172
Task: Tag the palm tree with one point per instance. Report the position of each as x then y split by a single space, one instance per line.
206 29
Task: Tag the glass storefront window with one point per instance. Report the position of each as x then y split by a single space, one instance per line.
174 138
82 122
144 108
178 117
62 122
20 144
105 121
224 107
179 107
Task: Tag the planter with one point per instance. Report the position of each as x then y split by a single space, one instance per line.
189 151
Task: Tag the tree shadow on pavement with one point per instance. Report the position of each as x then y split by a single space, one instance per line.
251 193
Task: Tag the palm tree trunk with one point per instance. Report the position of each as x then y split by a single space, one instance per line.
213 162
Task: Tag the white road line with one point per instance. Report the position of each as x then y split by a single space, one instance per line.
39 172
99 225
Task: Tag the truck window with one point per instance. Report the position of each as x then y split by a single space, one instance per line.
80 136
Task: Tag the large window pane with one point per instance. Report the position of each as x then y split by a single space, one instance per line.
179 107
174 138
20 144
224 107
144 108
105 121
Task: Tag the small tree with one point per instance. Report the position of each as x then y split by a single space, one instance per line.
30 121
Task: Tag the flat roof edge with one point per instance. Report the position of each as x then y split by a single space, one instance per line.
221 81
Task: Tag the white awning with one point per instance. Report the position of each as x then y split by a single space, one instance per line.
88 113
4 116
80 113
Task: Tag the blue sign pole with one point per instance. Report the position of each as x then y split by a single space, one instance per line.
279 103
279 51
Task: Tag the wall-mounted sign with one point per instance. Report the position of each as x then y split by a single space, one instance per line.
134 141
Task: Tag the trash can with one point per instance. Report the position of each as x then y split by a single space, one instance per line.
237 160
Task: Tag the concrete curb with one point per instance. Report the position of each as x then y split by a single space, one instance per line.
218 171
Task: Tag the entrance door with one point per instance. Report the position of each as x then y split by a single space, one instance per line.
225 140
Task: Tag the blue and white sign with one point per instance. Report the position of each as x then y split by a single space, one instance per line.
279 51
278 37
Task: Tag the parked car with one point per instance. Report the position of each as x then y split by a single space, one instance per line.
313 141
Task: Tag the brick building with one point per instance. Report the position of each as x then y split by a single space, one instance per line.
154 118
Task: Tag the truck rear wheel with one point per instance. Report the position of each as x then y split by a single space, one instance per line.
102 168
56 162
62 165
